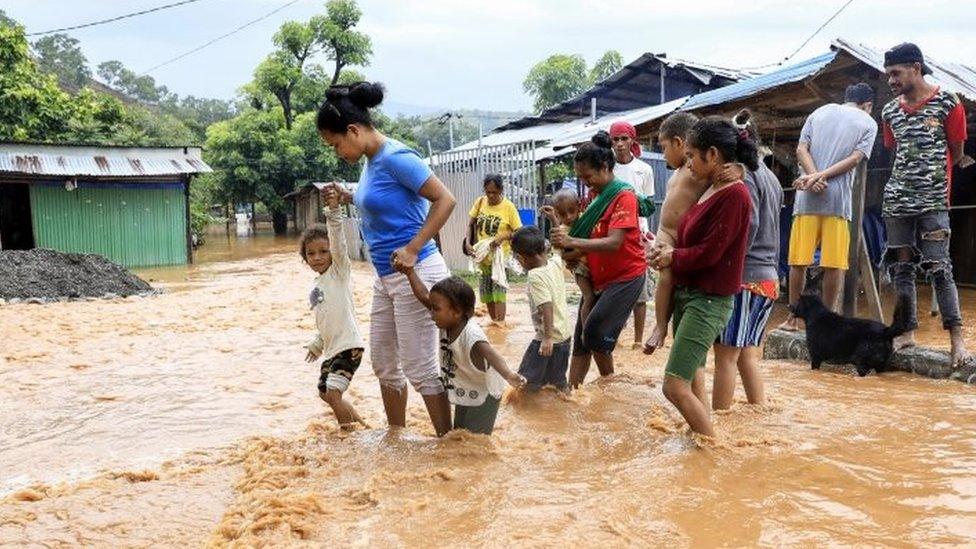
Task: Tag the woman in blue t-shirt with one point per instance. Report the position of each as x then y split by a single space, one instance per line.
402 205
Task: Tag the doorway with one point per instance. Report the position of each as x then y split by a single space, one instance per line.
16 231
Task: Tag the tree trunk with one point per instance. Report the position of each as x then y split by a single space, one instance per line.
279 220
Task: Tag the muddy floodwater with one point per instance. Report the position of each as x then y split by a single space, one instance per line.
191 419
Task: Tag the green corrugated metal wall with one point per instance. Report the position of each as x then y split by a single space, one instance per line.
131 226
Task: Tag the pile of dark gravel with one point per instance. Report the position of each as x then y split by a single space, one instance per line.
41 275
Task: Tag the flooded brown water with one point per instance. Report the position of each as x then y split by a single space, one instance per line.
190 419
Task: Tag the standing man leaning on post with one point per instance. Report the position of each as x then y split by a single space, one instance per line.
927 128
833 141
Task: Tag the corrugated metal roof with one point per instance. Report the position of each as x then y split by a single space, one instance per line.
79 161
564 134
752 86
581 130
952 77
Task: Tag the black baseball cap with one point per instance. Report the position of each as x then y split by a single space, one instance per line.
859 93
906 54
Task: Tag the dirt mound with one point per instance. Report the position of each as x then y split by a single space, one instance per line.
47 275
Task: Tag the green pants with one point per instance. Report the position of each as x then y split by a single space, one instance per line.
699 318
477 419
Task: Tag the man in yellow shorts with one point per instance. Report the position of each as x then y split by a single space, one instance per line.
834 140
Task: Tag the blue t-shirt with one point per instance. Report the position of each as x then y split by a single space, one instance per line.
391 211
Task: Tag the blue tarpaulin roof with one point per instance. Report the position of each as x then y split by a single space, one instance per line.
752 86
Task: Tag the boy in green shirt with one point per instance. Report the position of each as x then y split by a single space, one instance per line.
546 360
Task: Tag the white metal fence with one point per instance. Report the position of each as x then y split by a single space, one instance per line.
463 172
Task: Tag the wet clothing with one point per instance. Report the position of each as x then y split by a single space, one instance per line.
467 385
391 210
921 135
628 261
709 254
699 318
477 419
540 371
833 133
489 290
331 298
403 339
336 372
928 236
747 323
611 309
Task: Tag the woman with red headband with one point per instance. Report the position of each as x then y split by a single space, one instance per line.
629 168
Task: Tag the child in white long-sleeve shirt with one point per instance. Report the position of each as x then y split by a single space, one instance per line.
338 338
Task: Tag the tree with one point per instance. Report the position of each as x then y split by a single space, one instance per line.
6 21
31 103
344 46
257 159
556 79
60 55
287 71
118 77
609 63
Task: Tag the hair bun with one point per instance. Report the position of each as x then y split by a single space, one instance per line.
602 139
335 93
366 94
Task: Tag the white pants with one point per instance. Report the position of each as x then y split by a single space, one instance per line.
403 339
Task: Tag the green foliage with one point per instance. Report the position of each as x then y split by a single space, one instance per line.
6 21
143 88
558 171
257 159
60 55
336 33
561 77
556 79
288 75
609 63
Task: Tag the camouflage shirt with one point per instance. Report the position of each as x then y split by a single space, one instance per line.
921 134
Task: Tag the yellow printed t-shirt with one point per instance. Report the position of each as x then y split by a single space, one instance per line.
490 220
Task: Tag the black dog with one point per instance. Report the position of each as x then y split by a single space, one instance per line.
867 344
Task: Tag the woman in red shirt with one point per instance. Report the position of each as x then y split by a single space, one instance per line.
706 262
609 235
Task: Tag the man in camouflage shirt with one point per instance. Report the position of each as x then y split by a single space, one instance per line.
927 128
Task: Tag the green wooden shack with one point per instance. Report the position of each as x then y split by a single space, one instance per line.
129 204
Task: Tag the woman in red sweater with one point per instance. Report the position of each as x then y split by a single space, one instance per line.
706 262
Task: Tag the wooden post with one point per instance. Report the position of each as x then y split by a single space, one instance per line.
868 283
854 250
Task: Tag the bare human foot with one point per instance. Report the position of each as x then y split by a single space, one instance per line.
904 341
791 324
960 355
656 340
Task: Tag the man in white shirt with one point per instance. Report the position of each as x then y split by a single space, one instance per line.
629 168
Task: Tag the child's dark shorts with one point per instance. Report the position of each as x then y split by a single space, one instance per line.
541 370
337 372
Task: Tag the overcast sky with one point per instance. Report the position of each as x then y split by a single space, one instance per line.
475 53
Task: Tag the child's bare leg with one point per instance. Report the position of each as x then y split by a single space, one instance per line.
587 298
662 311
344 412
752 380
679 393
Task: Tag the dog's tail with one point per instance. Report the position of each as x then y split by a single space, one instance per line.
901 322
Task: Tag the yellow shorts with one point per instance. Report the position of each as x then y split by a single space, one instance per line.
831 234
